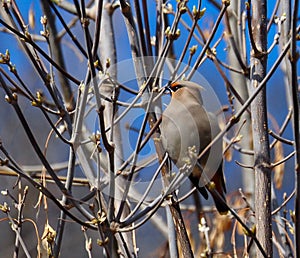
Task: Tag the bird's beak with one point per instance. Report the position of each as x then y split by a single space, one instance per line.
166 88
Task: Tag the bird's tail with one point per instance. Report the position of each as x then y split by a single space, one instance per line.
218 190
195 182
216 187
220 201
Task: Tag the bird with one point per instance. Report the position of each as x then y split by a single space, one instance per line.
186 129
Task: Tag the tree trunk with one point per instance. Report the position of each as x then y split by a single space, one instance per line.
260 128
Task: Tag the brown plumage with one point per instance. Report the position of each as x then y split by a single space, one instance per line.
186 129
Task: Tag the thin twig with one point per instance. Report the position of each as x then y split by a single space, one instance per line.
212 34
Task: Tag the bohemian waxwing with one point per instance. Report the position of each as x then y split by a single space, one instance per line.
186 129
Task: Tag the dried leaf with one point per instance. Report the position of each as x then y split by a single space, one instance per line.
278 155
217 237
47 240
278 170
228 153
31 17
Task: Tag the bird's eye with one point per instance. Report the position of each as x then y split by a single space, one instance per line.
174 87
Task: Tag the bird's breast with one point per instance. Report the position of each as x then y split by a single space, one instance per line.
185 130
